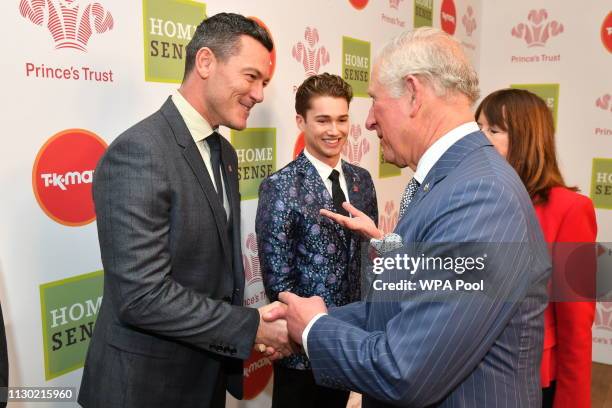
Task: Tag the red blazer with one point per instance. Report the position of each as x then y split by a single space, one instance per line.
568 217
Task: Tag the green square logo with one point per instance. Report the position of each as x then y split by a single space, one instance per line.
356 64
386 169
423 13
548 92
256 150
601 183
69 308
168 26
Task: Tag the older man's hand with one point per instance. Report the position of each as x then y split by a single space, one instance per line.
298 312
358 222
272 337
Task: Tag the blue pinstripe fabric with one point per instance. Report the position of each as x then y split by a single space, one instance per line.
465 352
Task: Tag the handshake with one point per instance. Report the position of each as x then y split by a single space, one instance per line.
282 323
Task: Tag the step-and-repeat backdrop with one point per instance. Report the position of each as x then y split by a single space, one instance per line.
79 72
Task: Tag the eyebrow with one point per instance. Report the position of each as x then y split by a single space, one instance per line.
324 116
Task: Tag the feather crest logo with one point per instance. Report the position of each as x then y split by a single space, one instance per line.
250 259
309 53
70 25
356 146
537 31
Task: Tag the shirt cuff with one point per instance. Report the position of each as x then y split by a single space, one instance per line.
307 329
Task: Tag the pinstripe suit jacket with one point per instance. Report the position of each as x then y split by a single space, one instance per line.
467 351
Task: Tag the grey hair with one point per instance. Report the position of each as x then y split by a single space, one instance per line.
431 54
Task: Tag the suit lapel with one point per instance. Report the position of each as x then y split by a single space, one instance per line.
356 198
316 187
194 159
449 160
230 177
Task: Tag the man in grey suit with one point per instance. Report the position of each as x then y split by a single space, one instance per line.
447 347
172 331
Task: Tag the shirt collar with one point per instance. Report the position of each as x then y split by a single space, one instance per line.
199 128
440 146
323 169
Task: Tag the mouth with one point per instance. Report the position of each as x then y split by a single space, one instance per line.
247 108
332 142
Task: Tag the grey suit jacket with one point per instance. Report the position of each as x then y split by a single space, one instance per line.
171 318
458 349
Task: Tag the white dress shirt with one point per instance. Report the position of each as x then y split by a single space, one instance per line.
426 163
200 129
325 170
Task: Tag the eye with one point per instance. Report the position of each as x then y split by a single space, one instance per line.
251 77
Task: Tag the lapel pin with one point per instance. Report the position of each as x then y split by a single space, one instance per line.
426 187
229 167
355 188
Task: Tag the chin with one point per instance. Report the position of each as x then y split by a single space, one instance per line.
238 124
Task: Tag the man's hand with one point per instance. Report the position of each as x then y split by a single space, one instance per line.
272 337
359 222
354 400
298 312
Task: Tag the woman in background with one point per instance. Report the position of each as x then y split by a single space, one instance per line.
520 126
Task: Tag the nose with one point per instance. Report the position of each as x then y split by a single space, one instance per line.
257 93
333 129
370 120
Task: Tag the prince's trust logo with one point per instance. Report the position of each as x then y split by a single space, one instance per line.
250 259
537 31
356 146
310 54
70 23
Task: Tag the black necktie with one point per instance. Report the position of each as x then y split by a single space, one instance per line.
337 194
214 144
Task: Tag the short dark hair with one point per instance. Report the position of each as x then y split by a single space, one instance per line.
221 33
321 85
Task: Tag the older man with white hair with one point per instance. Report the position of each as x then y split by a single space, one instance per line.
422 348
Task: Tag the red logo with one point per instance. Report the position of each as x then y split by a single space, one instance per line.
604 102
69 27
252 271
299 145
356 146
63 173
537 31
310 54
394 4
603 316
469 21
359 4
448 16
273 53
257 371
388 220
606 32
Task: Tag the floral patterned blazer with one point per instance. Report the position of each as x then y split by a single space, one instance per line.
303 252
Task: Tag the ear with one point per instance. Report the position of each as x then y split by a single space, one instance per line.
415 93
300 121
204 62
